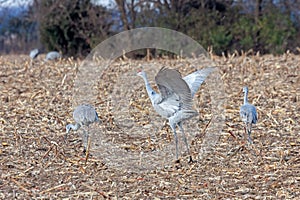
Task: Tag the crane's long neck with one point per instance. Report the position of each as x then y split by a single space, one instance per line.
246 97
150 91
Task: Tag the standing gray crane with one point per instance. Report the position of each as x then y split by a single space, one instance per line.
248 114
176 99
52 55
83 115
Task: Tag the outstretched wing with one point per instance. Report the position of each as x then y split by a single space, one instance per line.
173 88
195 79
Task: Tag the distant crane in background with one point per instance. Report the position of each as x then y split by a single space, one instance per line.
34 53
248 114
52 55
175 100
84 115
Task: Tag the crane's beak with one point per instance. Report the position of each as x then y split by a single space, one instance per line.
240 92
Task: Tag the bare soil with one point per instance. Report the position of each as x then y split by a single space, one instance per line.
132 153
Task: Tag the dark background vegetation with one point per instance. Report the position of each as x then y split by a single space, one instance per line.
74 27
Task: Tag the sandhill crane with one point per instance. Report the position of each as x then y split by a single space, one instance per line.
34 53
52 55
248 114
175 101
83 115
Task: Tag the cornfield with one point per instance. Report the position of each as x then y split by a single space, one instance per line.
132 149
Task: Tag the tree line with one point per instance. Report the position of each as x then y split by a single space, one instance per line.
75 27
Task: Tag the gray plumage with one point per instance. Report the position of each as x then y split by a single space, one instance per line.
248 114
83 115
34 53
52 55
175 99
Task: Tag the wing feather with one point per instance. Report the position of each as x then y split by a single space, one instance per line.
171 85
195 79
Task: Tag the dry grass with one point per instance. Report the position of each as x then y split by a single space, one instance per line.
37 163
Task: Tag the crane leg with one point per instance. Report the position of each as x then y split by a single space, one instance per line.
85 139
173 127
185 141
246 132
249 133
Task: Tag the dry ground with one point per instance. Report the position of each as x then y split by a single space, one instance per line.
37 163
